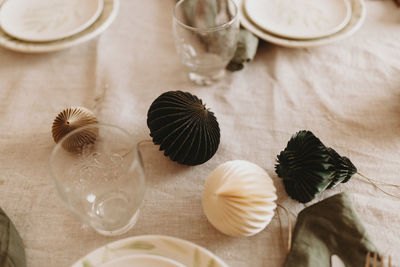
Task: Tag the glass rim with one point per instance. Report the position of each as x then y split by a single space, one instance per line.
58 146
210 29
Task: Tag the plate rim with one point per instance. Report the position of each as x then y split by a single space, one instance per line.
335 29
16 45
80 28
99 252
347 31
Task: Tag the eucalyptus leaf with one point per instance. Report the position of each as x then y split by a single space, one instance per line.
245 51
330 227
12 252
247 42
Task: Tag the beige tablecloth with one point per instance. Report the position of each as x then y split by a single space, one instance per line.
347 93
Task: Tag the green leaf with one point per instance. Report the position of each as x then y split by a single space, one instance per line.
87 263
329 227
245 51
211 263
175 246
139 245
12 252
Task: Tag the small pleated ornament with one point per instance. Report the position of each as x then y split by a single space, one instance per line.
308 167
184 128
73 118
239 198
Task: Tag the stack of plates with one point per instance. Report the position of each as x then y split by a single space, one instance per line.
44 26
302 23
150 251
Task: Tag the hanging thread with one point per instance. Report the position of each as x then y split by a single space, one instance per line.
143 141
289 242
99 99
375 182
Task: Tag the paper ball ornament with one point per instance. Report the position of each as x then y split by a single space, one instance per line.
239 198
308 167
71 119
184 128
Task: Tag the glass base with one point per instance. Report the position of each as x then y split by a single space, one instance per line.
206 79
122 230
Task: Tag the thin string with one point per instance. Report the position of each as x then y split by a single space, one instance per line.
138 146
142 142
380 182
98 100
374 183
289 242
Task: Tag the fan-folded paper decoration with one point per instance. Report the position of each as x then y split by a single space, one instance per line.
239 198
184 128
71 119
308 167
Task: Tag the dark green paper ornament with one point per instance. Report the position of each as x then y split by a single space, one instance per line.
184 128
308 167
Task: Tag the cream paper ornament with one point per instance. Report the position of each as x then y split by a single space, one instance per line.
239 198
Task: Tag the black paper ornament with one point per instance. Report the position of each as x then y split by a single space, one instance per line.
184 128
308 167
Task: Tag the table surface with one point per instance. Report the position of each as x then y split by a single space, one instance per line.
347 93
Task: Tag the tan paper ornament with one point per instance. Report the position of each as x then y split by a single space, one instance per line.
73 118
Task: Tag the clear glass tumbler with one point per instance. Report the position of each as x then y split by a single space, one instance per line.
101 181
206 34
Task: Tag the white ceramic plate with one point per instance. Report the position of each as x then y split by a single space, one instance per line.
299 19
357 18
178 250
44 20
142 261
105 19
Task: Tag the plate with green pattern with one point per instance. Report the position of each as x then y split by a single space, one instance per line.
107 16
181 251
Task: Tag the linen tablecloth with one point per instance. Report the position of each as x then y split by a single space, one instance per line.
347 93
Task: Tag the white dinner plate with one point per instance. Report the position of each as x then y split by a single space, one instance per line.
181 251
110 10
142 261
299 19
44 20
357 18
